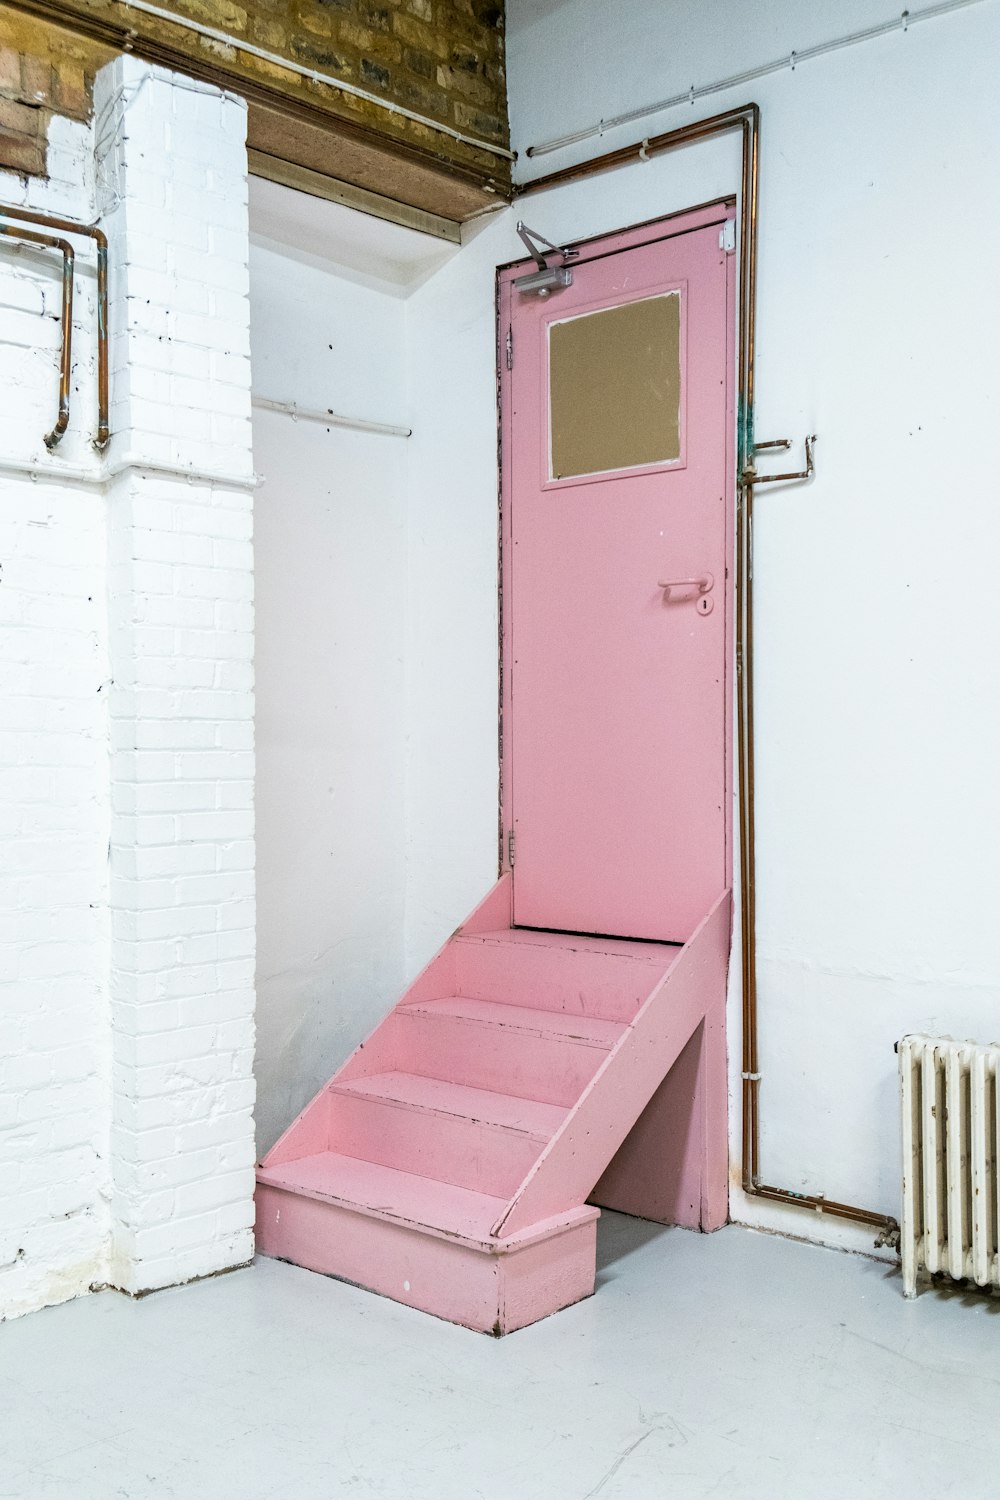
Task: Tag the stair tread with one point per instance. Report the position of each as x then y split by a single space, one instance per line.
525 1116
657 954
405 1197
591 1030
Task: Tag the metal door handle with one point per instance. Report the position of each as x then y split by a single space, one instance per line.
704 584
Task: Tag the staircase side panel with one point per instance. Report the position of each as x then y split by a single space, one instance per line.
379 1052
655 1173
566 1172
714 1109
494 913
308 1134
673 1166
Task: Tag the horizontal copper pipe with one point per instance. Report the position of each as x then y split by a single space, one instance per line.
70 226
11 231
887 1226
746 119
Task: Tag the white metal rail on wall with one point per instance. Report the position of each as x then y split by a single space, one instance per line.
900 22
327 417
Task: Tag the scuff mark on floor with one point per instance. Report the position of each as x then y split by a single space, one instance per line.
625 1454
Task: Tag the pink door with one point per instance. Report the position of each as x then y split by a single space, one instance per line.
617 478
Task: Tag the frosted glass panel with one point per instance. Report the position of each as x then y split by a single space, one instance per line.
615 388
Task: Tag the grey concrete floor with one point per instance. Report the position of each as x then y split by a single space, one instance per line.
734 1365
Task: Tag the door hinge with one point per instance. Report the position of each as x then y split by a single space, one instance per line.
727 236
510 848
510 348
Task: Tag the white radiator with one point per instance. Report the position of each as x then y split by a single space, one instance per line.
951 1194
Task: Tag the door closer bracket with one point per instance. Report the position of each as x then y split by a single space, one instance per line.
547 278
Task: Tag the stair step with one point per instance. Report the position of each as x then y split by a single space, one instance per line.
483 1140
605 978
422 1243
549 1056
590 1031
577 942
438 1096
386 1193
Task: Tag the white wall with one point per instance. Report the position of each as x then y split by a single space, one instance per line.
451 701
331 620
877 632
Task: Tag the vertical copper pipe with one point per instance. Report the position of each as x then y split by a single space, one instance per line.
745 470
66 320
70 226
62 422
747 120
103 436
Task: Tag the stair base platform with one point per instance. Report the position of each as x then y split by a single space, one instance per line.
492 1286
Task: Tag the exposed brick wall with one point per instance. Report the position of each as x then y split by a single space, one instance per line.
441 58
44 71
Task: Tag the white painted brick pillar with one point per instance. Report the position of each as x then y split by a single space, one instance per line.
172 173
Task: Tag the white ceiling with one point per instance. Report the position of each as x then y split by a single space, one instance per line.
345 239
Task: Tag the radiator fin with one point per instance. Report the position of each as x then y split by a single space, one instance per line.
951 1145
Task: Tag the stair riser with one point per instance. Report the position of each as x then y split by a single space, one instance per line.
553 1071
450 1148
562 979
483 1290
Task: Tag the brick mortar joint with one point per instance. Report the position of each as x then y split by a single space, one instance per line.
460 38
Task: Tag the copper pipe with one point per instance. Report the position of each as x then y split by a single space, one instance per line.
65 321
746 119
70 226
789 478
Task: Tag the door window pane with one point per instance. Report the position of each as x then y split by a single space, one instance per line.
615 388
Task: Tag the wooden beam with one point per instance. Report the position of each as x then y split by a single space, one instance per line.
288 174
326 151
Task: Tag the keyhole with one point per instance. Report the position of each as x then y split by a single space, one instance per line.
705 605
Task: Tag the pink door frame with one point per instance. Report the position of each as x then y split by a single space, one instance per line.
648 232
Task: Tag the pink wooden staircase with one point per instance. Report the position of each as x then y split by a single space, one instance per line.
449 1163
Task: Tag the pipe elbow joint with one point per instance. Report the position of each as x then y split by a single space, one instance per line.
52 438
